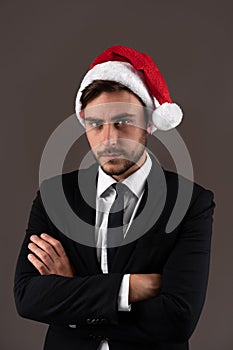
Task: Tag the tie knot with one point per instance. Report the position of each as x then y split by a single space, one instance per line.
120 188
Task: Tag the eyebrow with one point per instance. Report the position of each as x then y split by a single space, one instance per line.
115 117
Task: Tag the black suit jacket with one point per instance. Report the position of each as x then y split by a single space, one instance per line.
89 300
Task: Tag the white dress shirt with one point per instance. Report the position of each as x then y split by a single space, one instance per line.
105 197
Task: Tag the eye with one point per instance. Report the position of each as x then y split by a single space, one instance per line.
93 124
96 124
122 122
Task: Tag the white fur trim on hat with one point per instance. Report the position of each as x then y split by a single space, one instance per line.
121 72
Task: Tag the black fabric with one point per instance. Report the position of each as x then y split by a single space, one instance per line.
90 299
115 223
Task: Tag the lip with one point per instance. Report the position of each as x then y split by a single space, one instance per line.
111 155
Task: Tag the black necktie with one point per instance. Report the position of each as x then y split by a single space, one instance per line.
115 222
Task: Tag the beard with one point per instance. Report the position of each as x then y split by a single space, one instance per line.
126 160
121 165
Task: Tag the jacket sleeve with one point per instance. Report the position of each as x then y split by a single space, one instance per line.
57 299
173 314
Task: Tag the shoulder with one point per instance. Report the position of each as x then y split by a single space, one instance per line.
200 196
71 179
175 182
173 177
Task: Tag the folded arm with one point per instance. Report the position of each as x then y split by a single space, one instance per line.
48 297
47 288
172 315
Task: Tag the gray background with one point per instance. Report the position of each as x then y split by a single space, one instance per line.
46 46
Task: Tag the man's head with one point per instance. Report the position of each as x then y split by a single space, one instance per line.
116 126
140 83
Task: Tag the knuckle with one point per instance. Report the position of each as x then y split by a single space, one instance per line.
63 254
40 266
43 269
49 249
44 255
57 244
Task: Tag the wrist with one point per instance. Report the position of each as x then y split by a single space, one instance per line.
132 294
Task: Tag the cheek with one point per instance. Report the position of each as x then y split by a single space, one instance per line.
138 137
95 141
91 138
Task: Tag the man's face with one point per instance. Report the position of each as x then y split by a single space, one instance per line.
116 132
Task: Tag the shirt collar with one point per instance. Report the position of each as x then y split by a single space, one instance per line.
135 182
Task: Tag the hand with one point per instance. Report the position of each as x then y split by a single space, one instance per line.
144 286
49 256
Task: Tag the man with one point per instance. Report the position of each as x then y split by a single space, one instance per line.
137 286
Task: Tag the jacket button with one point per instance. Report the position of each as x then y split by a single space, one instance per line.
72 325
90 320
92 336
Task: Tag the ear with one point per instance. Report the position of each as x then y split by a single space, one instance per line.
149 128
81 114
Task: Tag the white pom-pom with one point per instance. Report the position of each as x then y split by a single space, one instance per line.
167 116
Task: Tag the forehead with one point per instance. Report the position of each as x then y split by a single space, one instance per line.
115 96
113 110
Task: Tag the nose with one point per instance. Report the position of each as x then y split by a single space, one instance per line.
110 133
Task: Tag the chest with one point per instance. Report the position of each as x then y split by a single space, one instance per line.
148 254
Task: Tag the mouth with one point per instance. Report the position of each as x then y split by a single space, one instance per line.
111 155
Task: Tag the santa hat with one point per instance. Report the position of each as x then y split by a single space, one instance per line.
138 72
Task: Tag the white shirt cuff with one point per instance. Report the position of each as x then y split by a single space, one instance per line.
123 298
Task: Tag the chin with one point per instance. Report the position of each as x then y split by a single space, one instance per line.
113 170
116 167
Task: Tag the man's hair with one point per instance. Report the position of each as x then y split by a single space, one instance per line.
94 89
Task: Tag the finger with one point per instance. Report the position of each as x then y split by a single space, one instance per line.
41 267
41 254
55 243
45 246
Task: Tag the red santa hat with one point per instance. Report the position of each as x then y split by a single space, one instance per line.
138 72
